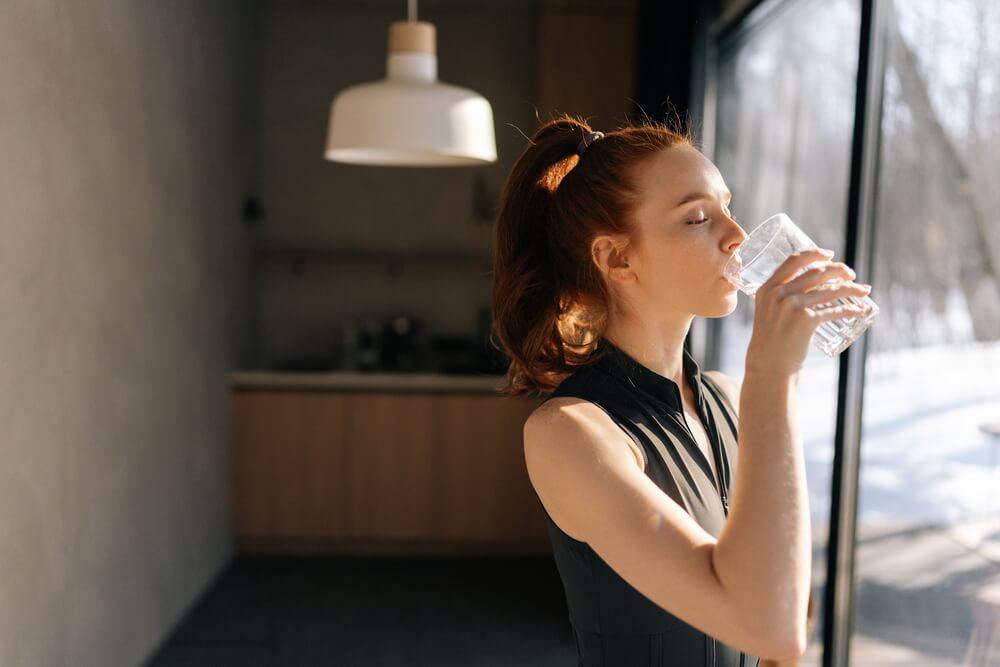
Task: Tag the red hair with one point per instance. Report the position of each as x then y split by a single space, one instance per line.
549 301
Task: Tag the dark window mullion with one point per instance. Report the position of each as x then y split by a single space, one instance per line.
858 253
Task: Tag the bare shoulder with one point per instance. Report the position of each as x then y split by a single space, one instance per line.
566 432
731 387
563 408
575 420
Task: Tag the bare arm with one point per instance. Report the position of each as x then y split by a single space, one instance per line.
764 553
733 390
650 541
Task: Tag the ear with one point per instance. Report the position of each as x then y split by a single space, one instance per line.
613 259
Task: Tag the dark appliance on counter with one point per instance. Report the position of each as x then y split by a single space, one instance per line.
394 344
404 344
361 344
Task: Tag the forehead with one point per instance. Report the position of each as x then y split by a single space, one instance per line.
677 171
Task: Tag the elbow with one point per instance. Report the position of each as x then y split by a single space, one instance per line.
790 638
763 635
792 646
772 644
789 648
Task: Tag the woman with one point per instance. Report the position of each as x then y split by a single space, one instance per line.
670 553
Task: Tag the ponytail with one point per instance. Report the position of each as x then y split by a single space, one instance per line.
549 301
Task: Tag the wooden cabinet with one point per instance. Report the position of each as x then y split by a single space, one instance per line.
485 492
392 443
287 465
402 472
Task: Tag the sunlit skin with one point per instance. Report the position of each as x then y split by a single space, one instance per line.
672 271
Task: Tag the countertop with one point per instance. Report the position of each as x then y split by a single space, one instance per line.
368 381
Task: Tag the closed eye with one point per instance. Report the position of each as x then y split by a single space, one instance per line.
697 222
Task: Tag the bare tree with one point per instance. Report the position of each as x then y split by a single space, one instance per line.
977 276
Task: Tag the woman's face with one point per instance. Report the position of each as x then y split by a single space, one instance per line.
684 237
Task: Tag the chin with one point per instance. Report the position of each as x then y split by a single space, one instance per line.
720 307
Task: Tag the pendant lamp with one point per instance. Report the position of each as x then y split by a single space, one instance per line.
410 118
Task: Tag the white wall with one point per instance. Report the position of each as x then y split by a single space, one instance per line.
125 292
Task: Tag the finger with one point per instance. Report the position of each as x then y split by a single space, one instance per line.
824 294
837 312
819 274
796 261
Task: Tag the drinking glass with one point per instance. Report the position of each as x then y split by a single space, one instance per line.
765 249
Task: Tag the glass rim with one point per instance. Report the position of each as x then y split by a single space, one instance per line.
766 245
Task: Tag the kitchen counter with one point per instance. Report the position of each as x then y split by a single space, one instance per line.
392 463
358 381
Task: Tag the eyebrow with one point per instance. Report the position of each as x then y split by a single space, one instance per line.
695 196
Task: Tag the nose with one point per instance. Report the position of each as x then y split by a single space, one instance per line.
741 237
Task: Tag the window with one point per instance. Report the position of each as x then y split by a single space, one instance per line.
927 550
785 112
927 564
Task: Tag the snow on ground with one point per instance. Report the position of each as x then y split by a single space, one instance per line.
927 582
925 456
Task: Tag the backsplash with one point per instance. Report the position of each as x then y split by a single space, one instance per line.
324 315
401 343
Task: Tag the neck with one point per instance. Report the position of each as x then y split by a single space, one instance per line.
658 348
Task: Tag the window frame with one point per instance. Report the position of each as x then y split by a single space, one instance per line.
717 35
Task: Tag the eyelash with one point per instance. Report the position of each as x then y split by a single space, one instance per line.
704 220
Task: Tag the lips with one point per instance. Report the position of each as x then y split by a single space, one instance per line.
728 281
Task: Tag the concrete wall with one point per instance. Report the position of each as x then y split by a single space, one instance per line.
125 289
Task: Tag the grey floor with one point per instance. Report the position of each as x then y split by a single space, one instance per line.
375 611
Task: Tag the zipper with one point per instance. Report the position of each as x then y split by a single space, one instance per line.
717 441
716 454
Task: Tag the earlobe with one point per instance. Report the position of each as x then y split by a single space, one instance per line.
623 273
623 267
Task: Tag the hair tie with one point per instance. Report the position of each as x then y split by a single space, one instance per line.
586 141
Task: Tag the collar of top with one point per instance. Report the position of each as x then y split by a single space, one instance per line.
617 362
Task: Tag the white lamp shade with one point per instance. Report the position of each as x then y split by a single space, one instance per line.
410 118
410 123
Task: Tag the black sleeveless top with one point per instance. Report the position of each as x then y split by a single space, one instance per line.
614 625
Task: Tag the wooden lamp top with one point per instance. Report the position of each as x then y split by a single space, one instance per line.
412 37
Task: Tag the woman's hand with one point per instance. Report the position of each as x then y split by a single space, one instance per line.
785 317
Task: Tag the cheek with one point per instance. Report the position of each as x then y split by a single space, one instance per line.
679 256
669 275
684 270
